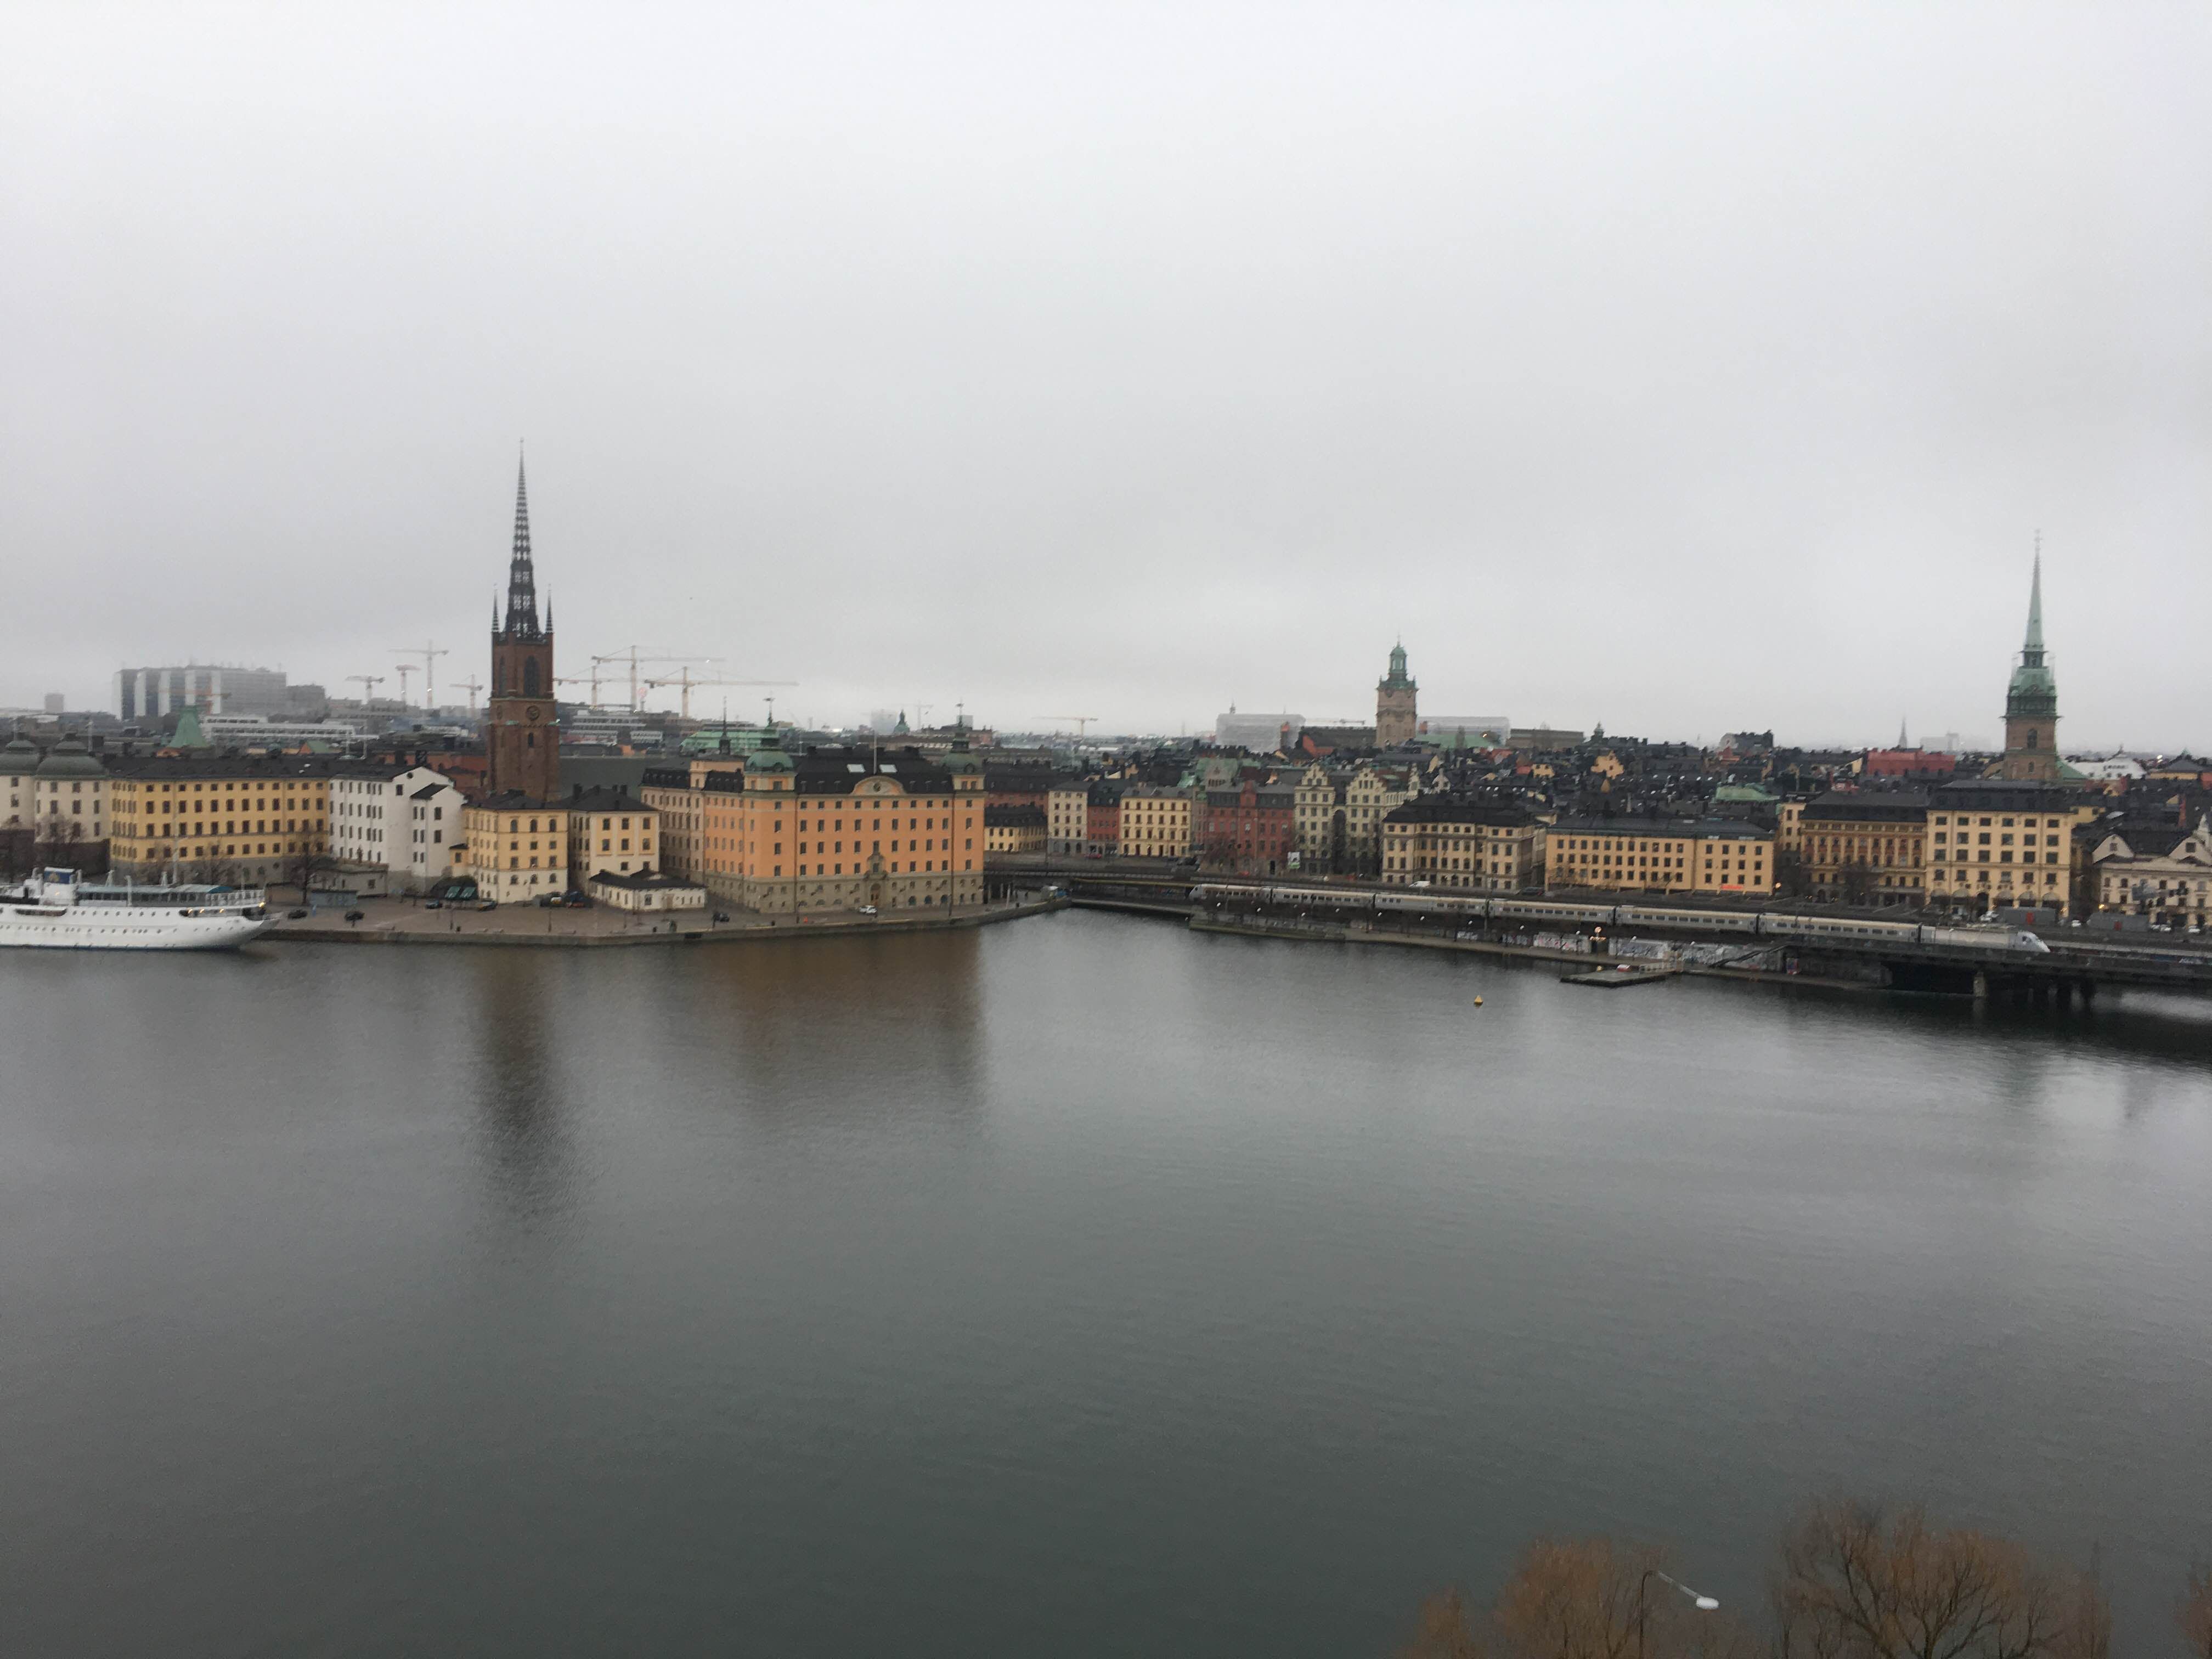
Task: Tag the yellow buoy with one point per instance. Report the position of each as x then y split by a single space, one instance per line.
1478 1002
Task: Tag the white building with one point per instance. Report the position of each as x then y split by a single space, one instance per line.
260 731
1261 733
645 890
404 819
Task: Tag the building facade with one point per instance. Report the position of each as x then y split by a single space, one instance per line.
1992 842
1491 847
845 829
1013 829
1709 857
1251 827
405 821
248 820
1157 823
2174 887
1867 849
610 831
1396 696
515 847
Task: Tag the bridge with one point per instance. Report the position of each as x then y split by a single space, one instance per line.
2074 969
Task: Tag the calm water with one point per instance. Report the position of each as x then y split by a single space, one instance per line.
1077 1286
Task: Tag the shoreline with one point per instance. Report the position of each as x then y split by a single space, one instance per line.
749 931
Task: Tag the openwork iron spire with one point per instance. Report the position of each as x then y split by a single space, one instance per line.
521 579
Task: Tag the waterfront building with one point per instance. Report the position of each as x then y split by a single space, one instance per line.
61 795
515 846
609 830
19 763
1992 842
1489 846
674 796
841 829
1066 816
1866 847
522 725
1318 823
248 820
405 820
2170 883
1250 828
645 890
1709 857
1155 822
1372 793
1102 818
1396 717
2031 716
1014 828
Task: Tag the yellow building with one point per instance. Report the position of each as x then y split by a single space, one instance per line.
1993 842
1155 822
247 821
1708 856
1067 817
517 848
62 796
844 830
1488 846
1866 848
2174 885
610 830
1371 794
1014 829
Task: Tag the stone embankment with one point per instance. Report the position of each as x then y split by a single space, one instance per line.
400 922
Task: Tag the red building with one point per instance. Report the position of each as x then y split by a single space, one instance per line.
1250 828
1908 763
1102 816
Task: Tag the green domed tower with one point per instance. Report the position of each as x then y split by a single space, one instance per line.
2031 717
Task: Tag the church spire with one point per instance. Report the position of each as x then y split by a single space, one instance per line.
521 579
2032 647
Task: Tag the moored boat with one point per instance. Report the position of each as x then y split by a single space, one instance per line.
58 910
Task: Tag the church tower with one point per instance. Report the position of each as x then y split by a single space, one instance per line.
2031 718
522 730
1395 721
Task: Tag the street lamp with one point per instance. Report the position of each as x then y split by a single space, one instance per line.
1702 1603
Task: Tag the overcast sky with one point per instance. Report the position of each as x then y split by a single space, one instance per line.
1681 367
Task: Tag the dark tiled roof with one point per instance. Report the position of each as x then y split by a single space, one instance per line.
1671 829
1867 807
1440 808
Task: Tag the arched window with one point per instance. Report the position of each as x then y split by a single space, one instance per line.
529 677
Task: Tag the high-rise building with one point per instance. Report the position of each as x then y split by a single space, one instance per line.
147 694
1395 717
522 727
2031 716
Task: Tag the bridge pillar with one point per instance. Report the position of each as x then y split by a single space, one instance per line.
1981 986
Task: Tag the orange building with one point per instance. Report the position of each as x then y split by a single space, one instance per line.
843 830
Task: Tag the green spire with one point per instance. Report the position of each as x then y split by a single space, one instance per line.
2034 689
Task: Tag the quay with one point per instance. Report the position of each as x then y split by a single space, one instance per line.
394 921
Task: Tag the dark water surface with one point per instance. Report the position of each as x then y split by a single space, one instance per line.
1079 1287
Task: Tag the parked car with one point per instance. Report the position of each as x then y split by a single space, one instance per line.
434 904
295 916
721 915
487 904
576 901
867 909
547 901
354 915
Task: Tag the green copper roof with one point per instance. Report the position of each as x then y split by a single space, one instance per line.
2034 689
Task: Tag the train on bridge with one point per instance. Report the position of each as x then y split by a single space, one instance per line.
1761 924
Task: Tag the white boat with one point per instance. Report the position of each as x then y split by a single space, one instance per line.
57 910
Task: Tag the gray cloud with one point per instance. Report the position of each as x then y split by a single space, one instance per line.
1678 367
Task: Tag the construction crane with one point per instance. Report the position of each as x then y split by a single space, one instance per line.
684 680
405 669
429 651
633 657
368 682
1081 723
471 685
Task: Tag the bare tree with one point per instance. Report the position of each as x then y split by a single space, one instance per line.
1441 1633
1858 1582
1590 1598
2194 1615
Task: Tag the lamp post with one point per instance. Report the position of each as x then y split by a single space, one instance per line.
1702 1603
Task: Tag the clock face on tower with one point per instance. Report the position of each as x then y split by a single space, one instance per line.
531 713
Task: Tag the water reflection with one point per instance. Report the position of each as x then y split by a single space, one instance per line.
838 1030
529 1155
